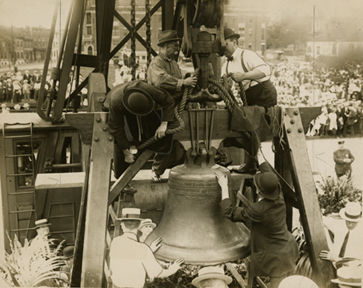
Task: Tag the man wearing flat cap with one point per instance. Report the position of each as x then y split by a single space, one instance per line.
249 69
274 250
133 120
343 159
164 72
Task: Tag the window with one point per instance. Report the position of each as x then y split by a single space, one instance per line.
263 31
89 30
90 50
250 32
241 29
249 45
88 18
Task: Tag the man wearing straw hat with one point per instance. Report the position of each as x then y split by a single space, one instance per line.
132 262
348 239
211 277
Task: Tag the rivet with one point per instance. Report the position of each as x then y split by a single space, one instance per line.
288 130
96 139
110 138
104 128
296 112
292 121
98 119
300 130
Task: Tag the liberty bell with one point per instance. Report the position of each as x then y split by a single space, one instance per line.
193 225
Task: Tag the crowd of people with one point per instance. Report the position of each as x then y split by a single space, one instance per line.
21 87
338 90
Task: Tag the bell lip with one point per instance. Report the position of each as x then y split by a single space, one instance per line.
241 255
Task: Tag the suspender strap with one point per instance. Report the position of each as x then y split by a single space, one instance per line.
243 63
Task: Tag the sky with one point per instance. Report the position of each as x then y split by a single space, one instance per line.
34 13
21 13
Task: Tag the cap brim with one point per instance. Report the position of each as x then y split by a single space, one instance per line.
169 40
272 196
146 224
225 278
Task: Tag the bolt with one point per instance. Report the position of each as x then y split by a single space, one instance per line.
296 112
96 139
289 130
292 121
98 119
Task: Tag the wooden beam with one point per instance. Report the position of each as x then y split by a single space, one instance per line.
97 204
304 184
236 275
128 175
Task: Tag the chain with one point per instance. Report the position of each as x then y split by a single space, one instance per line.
148 31
133 39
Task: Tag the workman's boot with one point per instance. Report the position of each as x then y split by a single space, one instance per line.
250 167
129 189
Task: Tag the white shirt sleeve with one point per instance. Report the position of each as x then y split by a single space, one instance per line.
253 61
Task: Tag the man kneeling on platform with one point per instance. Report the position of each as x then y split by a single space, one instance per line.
134 118
132 262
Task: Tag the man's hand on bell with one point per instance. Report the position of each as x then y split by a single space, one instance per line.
129 157
160 132
190 81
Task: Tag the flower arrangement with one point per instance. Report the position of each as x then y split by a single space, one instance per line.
336 194
33 264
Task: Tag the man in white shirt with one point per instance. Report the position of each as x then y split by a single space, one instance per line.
248 68
132 262
347 242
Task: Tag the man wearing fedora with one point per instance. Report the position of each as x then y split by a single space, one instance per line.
164 72
347 240
343 159
274 250
349 276
211 277
133 262
247 67
133 120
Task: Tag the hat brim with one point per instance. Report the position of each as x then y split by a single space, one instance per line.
126 219
337 281
343 216
127 106
273 196
225 278
168 40
232 36
146 224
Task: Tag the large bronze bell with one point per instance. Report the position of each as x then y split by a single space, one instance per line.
193 226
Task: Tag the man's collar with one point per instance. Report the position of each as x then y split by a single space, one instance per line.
131 235
237 52
163 56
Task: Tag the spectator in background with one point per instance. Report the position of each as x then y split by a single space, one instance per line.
333 125
343 159
26 90
36 84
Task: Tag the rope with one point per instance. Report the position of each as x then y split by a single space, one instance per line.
177 112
